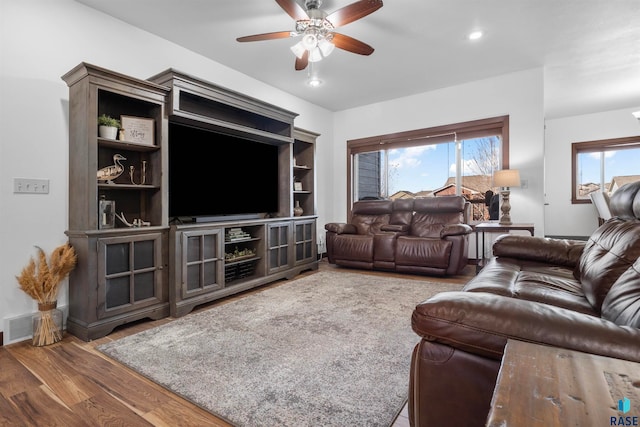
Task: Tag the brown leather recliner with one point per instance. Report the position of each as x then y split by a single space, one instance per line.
582 296
424 236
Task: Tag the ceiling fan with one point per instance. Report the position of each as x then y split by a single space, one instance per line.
317 29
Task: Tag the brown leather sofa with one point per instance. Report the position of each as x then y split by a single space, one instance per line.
424 236
583 296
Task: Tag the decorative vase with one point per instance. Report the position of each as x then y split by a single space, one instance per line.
109 132
297 211
47 324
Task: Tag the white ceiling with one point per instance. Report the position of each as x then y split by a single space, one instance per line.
590 49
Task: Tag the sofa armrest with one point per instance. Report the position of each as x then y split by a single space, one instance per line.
396 228
341 228
554 251
481 323
455 230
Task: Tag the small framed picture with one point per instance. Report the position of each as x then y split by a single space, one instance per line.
106 214
297 186
137 129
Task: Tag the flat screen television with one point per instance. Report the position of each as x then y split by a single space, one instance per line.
213 175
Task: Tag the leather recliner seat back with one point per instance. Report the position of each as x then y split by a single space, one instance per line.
622 303
402 212
369 216
433 213
613 248
625 202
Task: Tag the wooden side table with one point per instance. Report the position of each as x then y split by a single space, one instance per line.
548 386
496 227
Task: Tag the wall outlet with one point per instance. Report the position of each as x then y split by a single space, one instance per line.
31 186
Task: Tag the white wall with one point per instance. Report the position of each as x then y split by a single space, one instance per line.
40 40
561 217
518 95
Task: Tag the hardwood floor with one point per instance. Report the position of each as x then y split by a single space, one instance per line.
70 383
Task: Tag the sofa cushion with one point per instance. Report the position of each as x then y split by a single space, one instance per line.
610 251
531 281
369 216
481 323
369 224
542 249
433 213
625 202
423 252
622 304
353 247
402 212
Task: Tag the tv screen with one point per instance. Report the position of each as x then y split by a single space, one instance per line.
212 174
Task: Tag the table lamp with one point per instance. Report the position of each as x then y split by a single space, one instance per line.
506 178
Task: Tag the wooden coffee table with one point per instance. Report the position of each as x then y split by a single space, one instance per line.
547 386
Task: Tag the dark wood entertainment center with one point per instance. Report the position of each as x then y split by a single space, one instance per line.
167 266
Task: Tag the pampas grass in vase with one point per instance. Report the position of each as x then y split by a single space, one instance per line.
41 281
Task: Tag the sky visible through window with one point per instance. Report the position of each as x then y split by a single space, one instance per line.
616 163
427 167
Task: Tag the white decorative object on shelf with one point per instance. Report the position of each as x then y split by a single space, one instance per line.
109 173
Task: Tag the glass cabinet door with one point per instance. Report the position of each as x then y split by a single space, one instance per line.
278 246
129 273
200 262
304 238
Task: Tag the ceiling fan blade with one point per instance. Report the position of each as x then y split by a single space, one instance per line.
352 45
267 36
293 9
353 12
301 63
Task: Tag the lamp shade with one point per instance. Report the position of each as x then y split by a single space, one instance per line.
506 178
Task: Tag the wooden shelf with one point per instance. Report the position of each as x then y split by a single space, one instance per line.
180 266
125 145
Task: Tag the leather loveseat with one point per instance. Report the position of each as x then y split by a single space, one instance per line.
423 236
582 296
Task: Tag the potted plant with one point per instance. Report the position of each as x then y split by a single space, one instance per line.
108 126
41 281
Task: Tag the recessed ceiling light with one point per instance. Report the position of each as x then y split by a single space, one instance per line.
314 82
475 35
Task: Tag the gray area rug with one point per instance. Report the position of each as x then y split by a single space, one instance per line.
328 349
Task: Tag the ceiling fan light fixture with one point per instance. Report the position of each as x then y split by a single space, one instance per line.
326 47
298 49
309 41
315 55
316 28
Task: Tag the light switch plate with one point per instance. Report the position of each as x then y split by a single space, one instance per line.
30 186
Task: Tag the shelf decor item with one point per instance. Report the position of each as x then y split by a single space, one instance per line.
297 210
108 127
108 173
143 174
41 282
106 212
238 254
138 129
